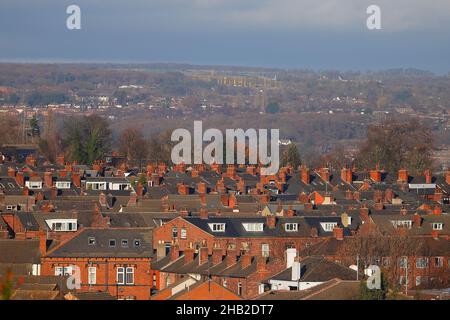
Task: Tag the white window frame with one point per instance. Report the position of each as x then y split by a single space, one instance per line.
120 273
439 262
183 233
63 270
328 226
174 232
253 226
92 275
265 250
437 225
291 227
403 261
422 263
217 227
62 184
402 224
129 271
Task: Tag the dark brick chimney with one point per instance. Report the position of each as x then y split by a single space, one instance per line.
375 175
174 252
217 255
203 255
48 179
230 258
417 220
271 221
338 233
246 260
304 175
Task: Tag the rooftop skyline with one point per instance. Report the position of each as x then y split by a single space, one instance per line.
283 34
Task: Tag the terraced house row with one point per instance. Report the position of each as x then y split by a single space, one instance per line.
218 232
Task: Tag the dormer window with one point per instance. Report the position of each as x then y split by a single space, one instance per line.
137 243
112 243
124 243
34 184
63 225
437 226
62 184
217 227
91 241
402 224
253 227
328 226
291 227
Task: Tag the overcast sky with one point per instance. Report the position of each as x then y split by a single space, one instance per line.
316 34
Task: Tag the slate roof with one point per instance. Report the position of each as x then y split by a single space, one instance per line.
79 246
14 251
234 227
314 269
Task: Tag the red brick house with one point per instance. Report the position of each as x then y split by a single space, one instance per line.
112 260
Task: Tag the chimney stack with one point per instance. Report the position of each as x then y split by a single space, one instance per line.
338 233
11 172
375 175
48 179
43 242
217 255
203 255
203 213
160 250
246 260
20 179
403 175
364 213
291 254
174 252
201 187
188 255
271 221
53 192
428 176
230 258
324 174
304 175
437 210
183 189
417 220
76 179
347 175
224 199
60 160
261 263
296 271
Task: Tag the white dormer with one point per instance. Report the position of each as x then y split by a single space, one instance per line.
33 184
70 225
253 226
62 184
402 224
217 227
328 226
